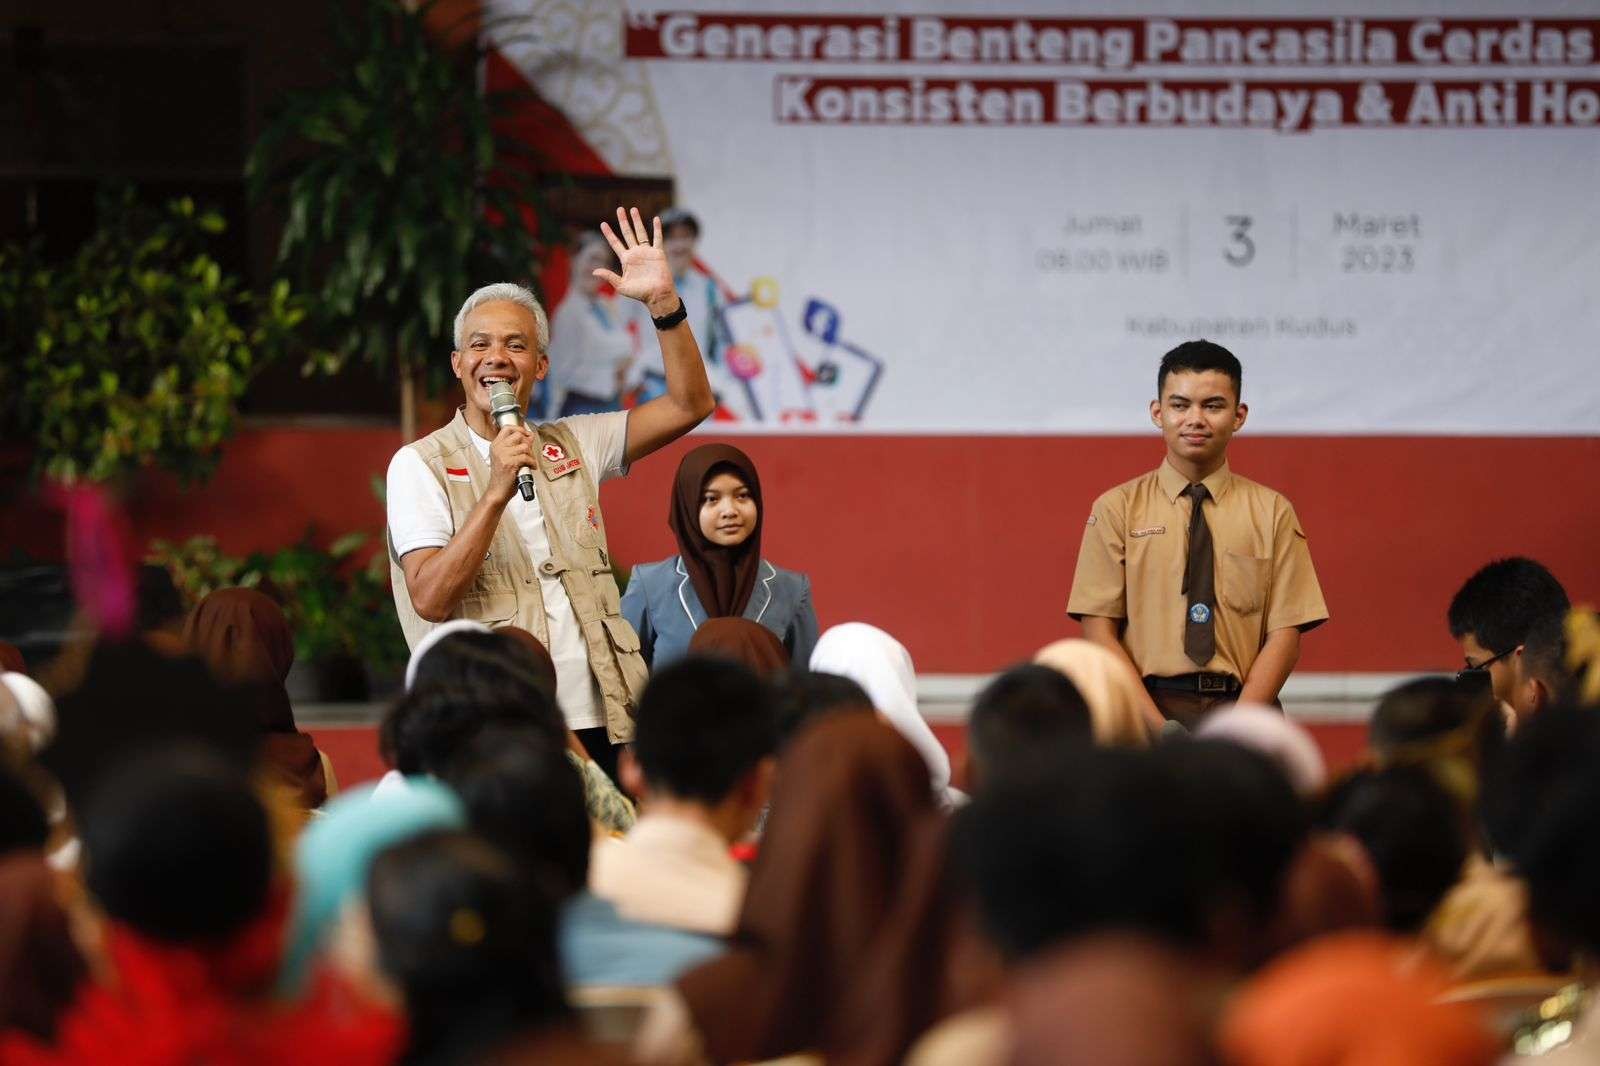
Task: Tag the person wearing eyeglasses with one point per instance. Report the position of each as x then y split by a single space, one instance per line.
1491 617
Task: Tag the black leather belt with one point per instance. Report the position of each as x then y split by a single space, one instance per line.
1203 684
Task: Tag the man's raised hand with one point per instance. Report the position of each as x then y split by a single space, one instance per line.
645 275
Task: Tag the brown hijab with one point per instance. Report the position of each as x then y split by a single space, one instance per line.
40 966
749 643
244 639
723 578
835 856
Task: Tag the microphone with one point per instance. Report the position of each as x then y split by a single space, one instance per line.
507 412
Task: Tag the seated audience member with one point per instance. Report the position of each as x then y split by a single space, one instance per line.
836 853
178 855
803 696
1480 930
1554 777
502 776
701 763
1022 721
1108 1000
432 638
1114 693
1055 859
243 638
334 854
511 663
1413 833
882 667
1351 999
1492 614
742 641
469 939
40 965
717 515
1268 731
1242 826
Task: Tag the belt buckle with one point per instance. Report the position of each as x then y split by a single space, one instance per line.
1214 682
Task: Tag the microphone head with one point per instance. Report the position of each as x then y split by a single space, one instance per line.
502 398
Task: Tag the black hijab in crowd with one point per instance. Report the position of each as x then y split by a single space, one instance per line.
723 577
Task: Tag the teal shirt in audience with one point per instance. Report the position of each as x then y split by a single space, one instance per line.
599 947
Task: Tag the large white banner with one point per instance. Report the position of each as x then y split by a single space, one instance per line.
934 218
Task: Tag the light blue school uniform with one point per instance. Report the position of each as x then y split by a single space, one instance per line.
663 607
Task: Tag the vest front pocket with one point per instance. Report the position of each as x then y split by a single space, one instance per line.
492 609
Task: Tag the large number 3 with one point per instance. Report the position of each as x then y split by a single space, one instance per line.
1241 249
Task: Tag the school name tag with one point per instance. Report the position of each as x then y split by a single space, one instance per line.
1147 531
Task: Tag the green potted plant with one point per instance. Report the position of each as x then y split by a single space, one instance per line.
133 353
401 191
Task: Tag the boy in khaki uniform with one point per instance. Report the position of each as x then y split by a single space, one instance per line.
1208 605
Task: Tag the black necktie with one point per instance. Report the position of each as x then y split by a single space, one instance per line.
1199 582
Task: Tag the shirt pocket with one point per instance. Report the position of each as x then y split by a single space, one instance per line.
1244 580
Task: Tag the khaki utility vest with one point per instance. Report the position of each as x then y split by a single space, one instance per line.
505 591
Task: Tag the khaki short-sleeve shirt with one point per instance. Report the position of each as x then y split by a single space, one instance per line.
1136 548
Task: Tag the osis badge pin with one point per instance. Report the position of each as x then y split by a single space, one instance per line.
1200 614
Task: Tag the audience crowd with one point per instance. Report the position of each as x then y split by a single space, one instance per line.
785 865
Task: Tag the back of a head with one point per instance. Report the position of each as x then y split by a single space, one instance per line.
803 696
703 724
1436 722
132 700
742 641
429 725
1092 849
491 659
1242 824
1023 721
1500 603
1555 747
1412 830
522 796
532 653
469 937
177 847
1558 860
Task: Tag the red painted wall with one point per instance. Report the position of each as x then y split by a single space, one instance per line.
964 547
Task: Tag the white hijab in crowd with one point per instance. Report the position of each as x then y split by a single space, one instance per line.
882 667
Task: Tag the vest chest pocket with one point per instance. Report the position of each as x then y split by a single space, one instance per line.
1242 582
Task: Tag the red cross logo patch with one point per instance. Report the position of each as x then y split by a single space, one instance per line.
553 453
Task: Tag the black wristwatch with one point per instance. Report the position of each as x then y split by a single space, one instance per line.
671 318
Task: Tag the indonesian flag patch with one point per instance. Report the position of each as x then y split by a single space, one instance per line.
553 453
452 474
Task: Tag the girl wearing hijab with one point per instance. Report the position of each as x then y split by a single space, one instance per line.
852 798
882 667
244 639
716 516
1109 686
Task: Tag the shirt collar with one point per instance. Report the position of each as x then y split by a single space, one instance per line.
1173 483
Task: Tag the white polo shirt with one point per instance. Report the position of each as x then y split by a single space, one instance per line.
419 517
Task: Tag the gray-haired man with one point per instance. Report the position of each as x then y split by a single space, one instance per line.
464 544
